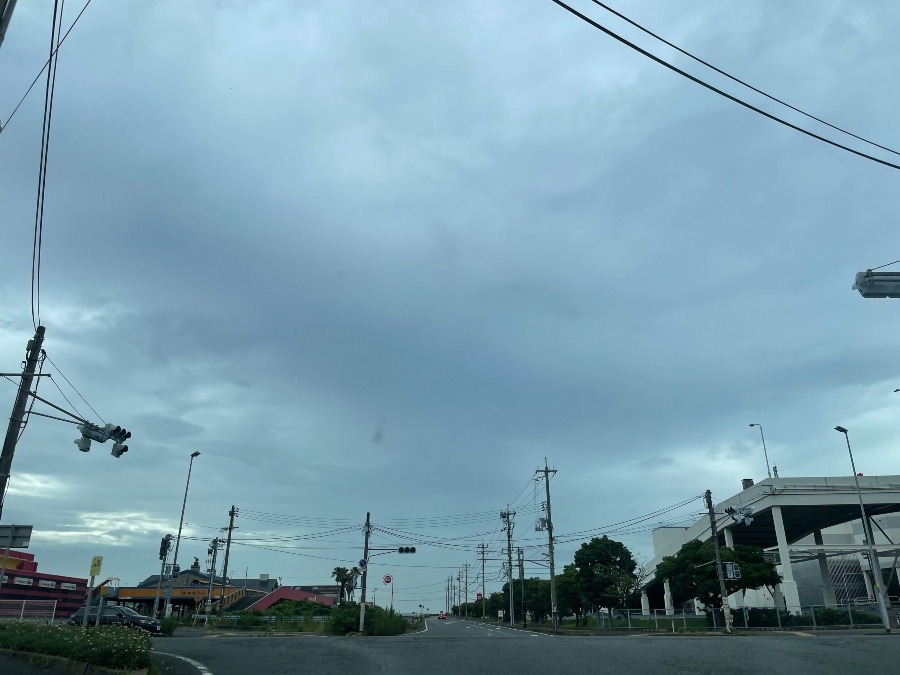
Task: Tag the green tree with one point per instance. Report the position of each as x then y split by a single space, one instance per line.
606 571
569 598
692 572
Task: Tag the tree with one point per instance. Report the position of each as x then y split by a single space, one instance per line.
569 599
692 572
606 571
341 576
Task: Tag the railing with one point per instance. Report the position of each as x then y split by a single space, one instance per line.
229 599
41 610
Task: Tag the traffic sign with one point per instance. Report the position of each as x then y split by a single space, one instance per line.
15 536
167 592
362 564
96 564
388 578
478 596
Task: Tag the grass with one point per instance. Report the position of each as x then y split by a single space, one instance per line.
116 647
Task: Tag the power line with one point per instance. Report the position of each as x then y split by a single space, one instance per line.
49 92
100 417
738 80
716 90
41 71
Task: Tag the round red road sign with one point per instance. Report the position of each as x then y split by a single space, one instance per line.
388 579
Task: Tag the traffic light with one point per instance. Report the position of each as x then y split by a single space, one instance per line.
872 284
118 435
83 443
406 549
164 546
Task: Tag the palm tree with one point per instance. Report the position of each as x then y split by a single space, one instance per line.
342 577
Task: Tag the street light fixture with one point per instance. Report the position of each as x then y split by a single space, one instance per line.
194 455
765 452
867 533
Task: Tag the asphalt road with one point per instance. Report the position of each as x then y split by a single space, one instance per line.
455 646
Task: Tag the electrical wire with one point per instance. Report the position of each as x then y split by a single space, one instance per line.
49 92
59 370
718 91
41 71
738 80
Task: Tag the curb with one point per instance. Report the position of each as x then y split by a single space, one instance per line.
61 664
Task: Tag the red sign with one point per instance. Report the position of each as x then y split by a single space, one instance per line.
387 578
478 596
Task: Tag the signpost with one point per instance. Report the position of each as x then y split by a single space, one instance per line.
16 536
96 564
388 579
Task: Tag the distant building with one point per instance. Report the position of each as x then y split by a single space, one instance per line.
21 580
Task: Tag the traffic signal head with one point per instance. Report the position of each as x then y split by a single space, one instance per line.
117 433
83 443
406 549
118 450
164 547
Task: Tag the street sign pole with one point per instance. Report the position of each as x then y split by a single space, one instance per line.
96 564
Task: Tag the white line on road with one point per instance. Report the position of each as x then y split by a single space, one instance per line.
199 666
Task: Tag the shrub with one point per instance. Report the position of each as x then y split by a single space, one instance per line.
168 626
116 647
344 619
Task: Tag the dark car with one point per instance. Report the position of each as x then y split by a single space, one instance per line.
114 615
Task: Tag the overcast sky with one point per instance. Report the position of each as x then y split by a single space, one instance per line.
387 256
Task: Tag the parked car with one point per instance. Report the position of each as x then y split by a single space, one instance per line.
113 615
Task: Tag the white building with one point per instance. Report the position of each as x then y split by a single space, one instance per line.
811 527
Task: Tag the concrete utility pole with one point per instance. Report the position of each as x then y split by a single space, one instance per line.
553 612
365 568
32 354
213 550
726 610
230 527
481 550
467 589
522 584
507 517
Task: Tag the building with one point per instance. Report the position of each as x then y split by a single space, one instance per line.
21 580
810 526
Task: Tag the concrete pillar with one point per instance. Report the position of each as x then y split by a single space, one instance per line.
870 588
788 585
645 604
729 537
827 586
670 606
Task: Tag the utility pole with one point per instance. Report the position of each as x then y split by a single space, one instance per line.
522 584
32 354
231 515
6 10
507 517
467 590
481 551
459 592
726 610
213 550
365 568
553 612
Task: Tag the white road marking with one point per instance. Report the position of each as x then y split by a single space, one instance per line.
199 666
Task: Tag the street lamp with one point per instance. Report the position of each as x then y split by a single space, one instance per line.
765 452
867 533
194 455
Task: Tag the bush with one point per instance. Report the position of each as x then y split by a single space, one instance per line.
345 619
168 626
116 647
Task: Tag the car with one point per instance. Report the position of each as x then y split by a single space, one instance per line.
441 615
114 615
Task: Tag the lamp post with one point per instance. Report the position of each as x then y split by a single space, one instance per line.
765 452
867 533
194 455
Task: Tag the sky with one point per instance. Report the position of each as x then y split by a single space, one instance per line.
388 257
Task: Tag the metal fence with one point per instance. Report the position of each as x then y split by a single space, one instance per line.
37 610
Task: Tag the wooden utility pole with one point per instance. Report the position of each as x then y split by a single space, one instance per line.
726 610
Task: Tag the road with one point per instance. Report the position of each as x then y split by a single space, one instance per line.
457 646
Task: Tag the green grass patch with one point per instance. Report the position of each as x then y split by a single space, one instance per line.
116 647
